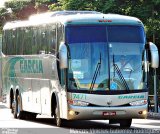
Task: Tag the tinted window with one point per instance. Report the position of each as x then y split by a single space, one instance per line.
83 34
128 34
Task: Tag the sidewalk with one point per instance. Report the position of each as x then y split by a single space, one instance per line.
152 115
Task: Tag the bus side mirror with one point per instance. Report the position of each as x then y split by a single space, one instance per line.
154 55
63 56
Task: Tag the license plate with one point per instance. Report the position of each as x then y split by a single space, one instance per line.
109 113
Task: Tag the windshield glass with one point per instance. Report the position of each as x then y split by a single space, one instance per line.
93 50
125 49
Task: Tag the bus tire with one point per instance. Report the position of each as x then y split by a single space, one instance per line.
12 107
11 101
57 118
125 123
18 113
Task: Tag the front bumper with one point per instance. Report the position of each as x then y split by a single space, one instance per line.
100 113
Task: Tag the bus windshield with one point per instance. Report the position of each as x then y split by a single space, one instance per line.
94 52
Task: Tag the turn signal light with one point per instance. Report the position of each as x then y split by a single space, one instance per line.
143 112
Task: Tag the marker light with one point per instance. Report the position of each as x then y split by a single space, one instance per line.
71 112
143 112
138 103
78 103
105 20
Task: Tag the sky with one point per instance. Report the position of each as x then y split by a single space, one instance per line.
2 3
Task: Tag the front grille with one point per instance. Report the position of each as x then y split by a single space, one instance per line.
93 105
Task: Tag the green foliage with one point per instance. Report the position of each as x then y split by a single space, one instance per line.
1 30
4 16
55 7
73 5
43 1
40 2
3 12
17 5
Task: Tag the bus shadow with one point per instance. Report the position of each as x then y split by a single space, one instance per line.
79 124
88 124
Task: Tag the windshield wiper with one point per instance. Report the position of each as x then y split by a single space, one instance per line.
96 73
118 71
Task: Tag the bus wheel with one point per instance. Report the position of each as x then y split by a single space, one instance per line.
17 109
126 123
12 107
57 118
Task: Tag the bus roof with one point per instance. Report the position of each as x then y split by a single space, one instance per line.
73 17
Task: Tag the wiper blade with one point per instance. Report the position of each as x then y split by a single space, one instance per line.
96 73
118 71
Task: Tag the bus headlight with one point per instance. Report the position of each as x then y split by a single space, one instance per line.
78 103
137 103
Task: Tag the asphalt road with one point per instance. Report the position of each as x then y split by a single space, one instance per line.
46 125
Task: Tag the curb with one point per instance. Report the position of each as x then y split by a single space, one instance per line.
152 115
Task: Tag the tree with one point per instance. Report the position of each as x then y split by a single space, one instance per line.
73 5
22 9
18 6
42 5
4 16
55 7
